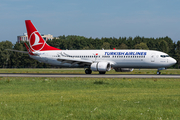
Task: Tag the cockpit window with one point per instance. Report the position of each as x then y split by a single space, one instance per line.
163 56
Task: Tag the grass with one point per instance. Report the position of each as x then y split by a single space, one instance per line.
81 71
89 98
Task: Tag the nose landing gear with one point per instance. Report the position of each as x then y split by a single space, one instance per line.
158 71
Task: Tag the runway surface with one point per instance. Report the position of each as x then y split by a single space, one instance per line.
87 76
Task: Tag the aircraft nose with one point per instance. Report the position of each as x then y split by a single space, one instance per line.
173 61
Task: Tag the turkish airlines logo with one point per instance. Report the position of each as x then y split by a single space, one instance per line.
36 41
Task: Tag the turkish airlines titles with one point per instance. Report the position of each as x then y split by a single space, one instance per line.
126 53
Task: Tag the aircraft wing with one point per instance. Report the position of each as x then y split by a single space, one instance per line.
75 61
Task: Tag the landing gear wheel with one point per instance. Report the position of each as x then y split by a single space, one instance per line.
158 73
102 72
88 71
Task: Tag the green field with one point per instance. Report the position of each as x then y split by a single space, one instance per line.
89 98
81 71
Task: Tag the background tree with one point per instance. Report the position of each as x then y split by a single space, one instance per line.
177 53
152 44
130 43
106 45
141 46
163 46
123 46
4 54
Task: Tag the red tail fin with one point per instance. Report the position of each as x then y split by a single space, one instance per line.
29 51
35 40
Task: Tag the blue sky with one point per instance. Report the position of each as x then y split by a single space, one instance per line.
91 18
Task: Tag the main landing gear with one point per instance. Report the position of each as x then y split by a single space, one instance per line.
102 72
88 71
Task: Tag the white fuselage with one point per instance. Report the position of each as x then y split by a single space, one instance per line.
117 58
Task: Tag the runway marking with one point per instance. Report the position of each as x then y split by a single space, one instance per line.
87 76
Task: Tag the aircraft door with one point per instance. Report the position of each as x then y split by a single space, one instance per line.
153 57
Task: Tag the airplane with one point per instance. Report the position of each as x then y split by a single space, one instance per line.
95 60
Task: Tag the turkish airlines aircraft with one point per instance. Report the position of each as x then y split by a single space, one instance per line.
95 60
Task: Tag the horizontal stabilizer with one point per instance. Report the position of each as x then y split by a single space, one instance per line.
25 52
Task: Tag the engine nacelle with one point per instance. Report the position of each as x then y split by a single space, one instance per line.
101 66
123 69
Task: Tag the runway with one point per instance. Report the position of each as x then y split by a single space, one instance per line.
87 76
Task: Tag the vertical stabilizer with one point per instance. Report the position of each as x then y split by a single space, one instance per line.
35 40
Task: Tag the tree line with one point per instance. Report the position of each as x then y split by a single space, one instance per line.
9 59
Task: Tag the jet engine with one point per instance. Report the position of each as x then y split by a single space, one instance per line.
123 69
101 66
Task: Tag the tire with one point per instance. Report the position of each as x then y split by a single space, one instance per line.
88 71
158 73
102 72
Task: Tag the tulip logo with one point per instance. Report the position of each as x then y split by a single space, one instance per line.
36 41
